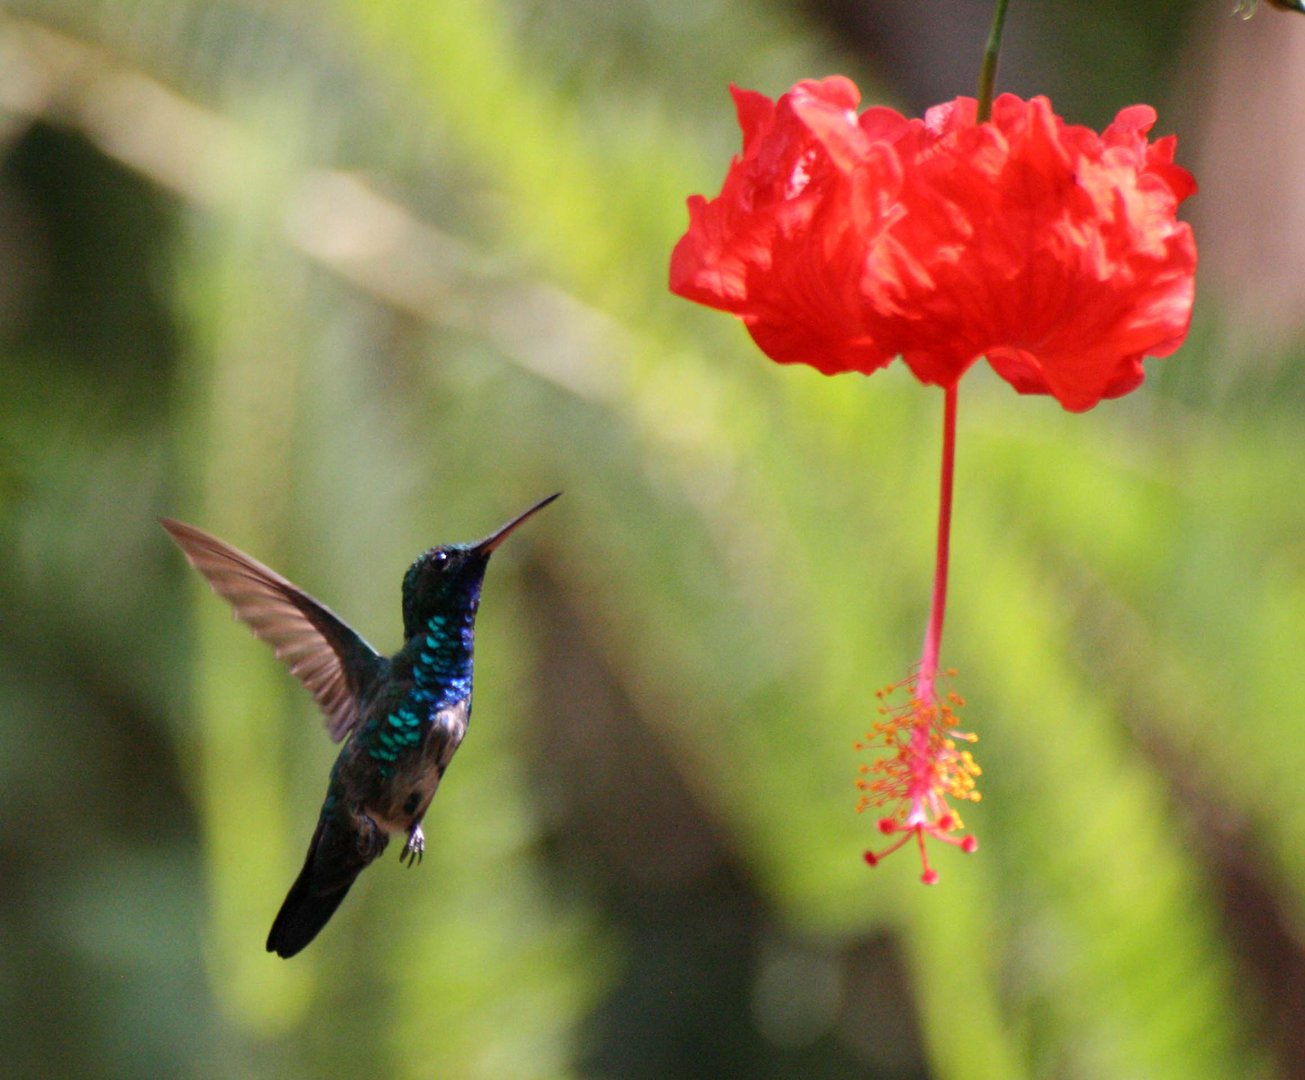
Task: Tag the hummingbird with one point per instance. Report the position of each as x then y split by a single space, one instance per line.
403 716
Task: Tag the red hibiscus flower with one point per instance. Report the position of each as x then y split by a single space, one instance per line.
843 241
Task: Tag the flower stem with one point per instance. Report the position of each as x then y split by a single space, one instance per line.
988 72
933 634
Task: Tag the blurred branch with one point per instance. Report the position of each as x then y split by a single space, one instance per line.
46 75
334 218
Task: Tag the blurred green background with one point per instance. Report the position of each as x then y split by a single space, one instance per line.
341 280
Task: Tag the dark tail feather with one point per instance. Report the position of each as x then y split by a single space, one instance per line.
303 914
329 870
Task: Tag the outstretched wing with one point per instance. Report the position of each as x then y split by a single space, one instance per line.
321 650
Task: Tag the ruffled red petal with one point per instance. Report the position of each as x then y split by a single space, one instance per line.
843 241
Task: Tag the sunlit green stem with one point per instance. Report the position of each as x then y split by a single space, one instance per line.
988 72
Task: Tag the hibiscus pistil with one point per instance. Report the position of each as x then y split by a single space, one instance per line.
922 762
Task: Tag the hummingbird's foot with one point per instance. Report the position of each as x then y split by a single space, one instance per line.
415 848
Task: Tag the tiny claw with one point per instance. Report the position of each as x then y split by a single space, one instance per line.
415 849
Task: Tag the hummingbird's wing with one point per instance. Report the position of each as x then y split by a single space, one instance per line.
321 650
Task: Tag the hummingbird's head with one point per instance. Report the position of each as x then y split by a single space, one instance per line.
446 580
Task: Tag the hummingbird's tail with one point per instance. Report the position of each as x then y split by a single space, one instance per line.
336 856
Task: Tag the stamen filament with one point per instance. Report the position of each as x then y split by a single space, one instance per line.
928 670
923 766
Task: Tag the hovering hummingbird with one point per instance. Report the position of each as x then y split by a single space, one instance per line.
404 716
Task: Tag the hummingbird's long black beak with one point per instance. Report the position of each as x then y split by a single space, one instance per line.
484 547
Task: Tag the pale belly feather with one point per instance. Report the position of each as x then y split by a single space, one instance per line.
417 775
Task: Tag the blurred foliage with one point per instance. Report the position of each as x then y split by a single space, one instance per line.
342 280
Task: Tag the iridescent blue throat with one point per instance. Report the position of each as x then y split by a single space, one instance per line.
441 676
442 667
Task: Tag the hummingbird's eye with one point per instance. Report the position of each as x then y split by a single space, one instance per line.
441 556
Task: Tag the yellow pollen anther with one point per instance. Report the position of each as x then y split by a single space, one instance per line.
919 769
